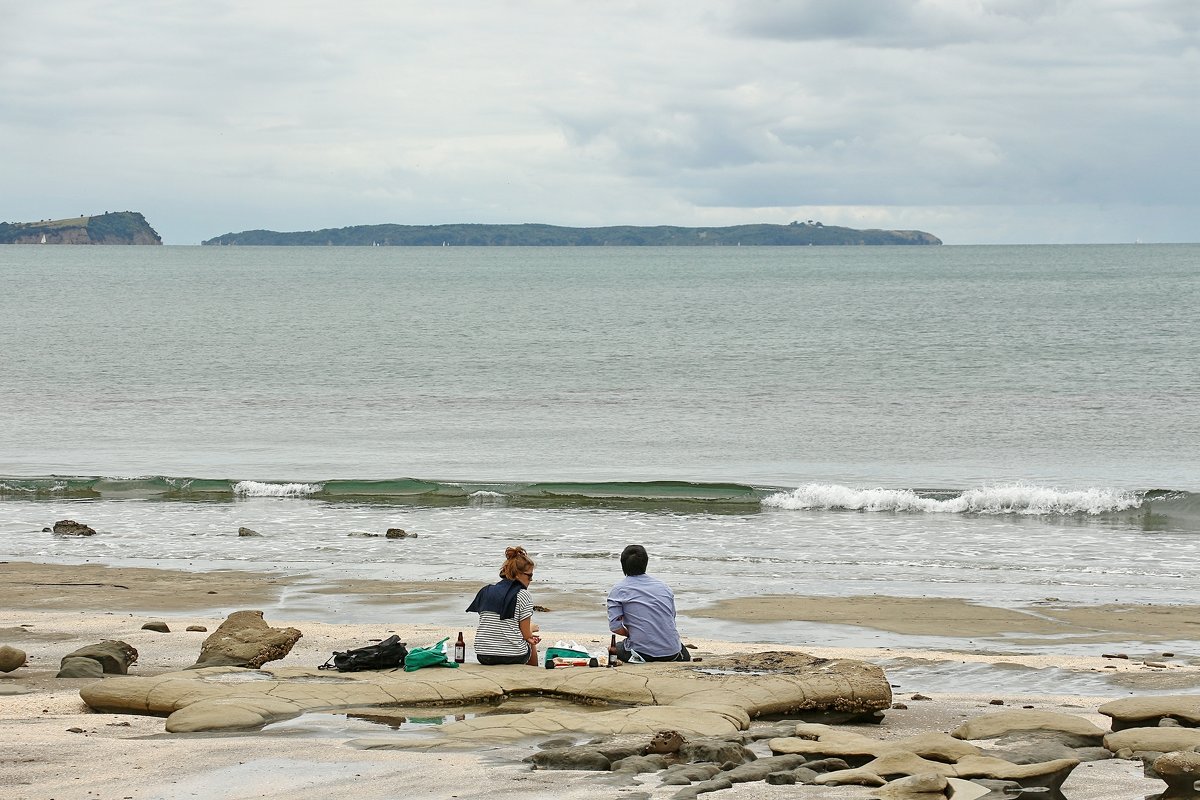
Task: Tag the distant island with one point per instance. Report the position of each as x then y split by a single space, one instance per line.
117 227
536 235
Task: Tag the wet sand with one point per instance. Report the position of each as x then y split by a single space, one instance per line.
1039 623
56 748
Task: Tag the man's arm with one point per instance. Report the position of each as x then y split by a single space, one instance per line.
616 616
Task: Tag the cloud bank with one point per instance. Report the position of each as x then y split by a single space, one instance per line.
978 120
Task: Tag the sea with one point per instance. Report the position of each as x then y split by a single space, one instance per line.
1002 424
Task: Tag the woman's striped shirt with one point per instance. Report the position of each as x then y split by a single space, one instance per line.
502 637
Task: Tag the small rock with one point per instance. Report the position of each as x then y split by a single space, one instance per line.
113 657
615 751
996 702
1153 740
713 784
1169 722
156 625
791 776
75 730
636 765
1115 655
248 532
245 640
921 785
683 774
759 770
900 706
581 758
665 742
11 658
396 533
1155 664
197 628
80 668
1180 769
1168 655
69 527
1069 729
920 696
541 609
557 742
716 751
364 534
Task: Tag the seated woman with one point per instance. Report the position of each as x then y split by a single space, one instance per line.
506 633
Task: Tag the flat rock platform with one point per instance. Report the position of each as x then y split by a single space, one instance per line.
719 696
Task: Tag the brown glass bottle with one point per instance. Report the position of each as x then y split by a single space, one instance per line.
612 651
460 649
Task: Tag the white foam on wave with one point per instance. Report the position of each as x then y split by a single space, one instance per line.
1015 499
10 487
484 497
260 489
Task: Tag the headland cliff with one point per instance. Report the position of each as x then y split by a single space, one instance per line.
117 227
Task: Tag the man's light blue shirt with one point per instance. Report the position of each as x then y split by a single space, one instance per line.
645 607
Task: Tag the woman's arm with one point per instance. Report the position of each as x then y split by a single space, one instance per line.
527 633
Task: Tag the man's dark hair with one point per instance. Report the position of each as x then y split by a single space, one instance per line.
634 560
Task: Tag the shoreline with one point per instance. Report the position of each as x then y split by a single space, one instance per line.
62 750
56 586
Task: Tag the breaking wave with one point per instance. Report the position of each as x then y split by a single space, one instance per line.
260 489
987 500
1153 508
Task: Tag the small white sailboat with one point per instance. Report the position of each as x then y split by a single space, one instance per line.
43 239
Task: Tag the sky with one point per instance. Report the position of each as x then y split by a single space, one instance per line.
980 121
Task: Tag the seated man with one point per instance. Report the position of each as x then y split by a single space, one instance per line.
642 609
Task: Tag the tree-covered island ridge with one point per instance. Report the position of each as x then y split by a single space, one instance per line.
534 235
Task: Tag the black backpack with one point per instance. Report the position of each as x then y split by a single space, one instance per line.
388 654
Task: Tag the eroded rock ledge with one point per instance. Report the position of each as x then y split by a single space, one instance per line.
721 696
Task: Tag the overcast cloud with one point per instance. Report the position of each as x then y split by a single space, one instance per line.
978 120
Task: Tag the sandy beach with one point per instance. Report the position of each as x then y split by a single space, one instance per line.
56 748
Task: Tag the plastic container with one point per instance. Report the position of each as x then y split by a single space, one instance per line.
563 652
